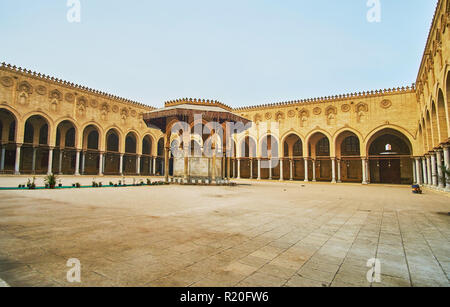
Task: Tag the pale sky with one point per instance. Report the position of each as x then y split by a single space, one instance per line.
240 52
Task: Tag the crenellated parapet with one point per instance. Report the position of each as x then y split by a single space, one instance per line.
70 85
335 98
196 101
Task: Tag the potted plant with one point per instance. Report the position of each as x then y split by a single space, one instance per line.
50 180
149 182
32 185
78 185
100 184
59 183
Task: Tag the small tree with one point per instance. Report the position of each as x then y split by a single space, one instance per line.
51 180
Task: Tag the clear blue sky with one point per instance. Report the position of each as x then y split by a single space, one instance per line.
241 52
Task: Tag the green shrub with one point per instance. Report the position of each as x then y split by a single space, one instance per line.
50 180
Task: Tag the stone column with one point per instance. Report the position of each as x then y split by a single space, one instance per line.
154 166
166 161
314 170
83 162
270 169
306 171
121 165
429 173
50 161
229 168
61 153
447 165
100 164
213 169
149 165
233 166
238 168
419 172
367 171
77 163
104 163
424 170
259 168
364 171
251 168
33 161
414 172
440 173
2 161
186 166
333 170
291 170
434 174
281 170
339 180
17 164
138 164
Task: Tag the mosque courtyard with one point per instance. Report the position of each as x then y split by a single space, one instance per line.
256 234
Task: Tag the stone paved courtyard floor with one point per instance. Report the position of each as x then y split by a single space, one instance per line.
256 234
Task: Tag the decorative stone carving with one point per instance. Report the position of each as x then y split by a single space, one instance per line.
23 98
25 91
7 81
279 116
141 120
70 97
257 118
331 113
124 115
345 108
386 104
104 110
133 113
361 110
317 111
115 109
268 116
55 94
82 104
291 113
94 103
25 87
304 115
41 90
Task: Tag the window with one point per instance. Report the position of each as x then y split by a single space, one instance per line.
351 146
323 147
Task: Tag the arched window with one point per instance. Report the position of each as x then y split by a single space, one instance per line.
323 147
350 146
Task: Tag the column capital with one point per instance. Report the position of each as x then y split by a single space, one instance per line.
19 144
